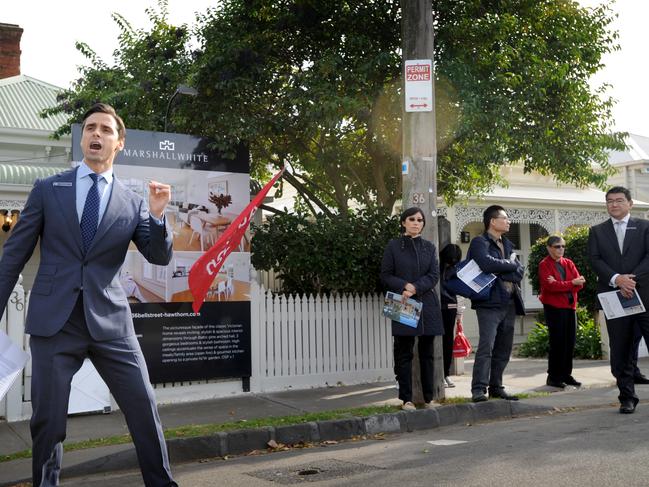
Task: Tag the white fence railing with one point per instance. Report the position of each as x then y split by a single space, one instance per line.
297 342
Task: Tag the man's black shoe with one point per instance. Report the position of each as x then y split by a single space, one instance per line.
556 383
502 395
627 406
640 379
480 397
571 381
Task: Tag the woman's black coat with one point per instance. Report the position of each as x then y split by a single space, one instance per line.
414 260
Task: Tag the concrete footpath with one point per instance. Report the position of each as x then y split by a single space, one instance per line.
522 376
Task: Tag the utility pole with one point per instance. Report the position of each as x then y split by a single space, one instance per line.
419 163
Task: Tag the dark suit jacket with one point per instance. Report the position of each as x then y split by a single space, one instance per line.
607 260
50 214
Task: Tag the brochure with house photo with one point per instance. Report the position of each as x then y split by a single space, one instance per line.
407 313
615 305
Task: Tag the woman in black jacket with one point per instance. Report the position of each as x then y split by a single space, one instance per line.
450 255
410 268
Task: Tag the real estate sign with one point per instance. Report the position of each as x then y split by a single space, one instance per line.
208 191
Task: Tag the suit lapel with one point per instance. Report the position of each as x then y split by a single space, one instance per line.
116 207
611 237
64 188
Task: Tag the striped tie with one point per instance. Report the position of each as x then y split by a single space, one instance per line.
90 216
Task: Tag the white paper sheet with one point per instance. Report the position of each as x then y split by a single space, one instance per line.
12 361
615 306
472 276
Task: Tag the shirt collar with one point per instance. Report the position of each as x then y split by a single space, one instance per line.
494 238
84 171
624 220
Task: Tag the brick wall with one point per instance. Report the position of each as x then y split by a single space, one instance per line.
10 35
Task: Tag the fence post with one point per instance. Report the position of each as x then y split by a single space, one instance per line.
16 331
256 293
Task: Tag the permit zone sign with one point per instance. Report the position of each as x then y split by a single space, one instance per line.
419 85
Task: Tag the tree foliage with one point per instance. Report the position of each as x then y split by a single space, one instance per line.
147 68
318 84
325 254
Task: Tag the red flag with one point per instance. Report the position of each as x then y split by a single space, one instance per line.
205 269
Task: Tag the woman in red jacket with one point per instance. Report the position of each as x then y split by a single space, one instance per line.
560 281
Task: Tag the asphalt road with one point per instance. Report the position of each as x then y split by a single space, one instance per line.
597 447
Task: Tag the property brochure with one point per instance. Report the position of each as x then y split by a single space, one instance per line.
406 313
615 305
12 361
472 276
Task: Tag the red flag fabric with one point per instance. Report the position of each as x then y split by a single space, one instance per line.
205 269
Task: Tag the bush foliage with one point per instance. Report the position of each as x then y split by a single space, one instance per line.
325 254
588 343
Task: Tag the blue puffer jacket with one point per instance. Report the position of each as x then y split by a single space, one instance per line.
414 260
487 255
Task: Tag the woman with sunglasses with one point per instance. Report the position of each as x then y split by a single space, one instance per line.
410 268
560 281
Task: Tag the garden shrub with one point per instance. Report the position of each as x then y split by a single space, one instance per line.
588 341
325 254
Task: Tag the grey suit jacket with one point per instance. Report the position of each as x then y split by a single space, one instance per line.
607 260
50 214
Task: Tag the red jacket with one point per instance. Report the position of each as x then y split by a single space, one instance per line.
556 293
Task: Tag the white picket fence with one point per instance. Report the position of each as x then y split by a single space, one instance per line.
296 342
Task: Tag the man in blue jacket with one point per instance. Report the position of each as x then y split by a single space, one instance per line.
496 315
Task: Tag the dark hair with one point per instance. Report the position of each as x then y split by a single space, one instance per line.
619 189
413 210
553 239
489 213
450 255
105 108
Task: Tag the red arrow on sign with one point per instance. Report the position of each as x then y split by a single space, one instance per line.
417 106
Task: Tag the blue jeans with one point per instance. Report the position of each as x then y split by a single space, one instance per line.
496 328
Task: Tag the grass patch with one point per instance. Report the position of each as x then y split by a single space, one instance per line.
209 429
455 400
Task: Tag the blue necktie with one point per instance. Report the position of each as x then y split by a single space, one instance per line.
90 216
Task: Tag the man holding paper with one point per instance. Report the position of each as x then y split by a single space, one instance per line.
494 254
619 253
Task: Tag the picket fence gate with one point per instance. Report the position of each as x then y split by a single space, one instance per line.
296 343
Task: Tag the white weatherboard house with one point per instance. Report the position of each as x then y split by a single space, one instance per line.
27 151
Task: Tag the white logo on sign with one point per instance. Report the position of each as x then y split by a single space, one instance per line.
167 145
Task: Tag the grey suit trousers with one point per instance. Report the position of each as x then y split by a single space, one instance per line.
121 364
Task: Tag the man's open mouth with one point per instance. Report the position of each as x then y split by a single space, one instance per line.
95 145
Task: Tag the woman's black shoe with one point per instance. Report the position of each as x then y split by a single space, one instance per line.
556 383
571 381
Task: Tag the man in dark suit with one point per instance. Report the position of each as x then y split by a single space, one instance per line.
85 219
619 253
496 315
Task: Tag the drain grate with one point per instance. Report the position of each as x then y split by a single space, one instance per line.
312 472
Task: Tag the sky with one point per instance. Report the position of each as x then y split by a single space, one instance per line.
51 29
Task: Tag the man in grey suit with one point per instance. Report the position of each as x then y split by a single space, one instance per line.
619 253
85 219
